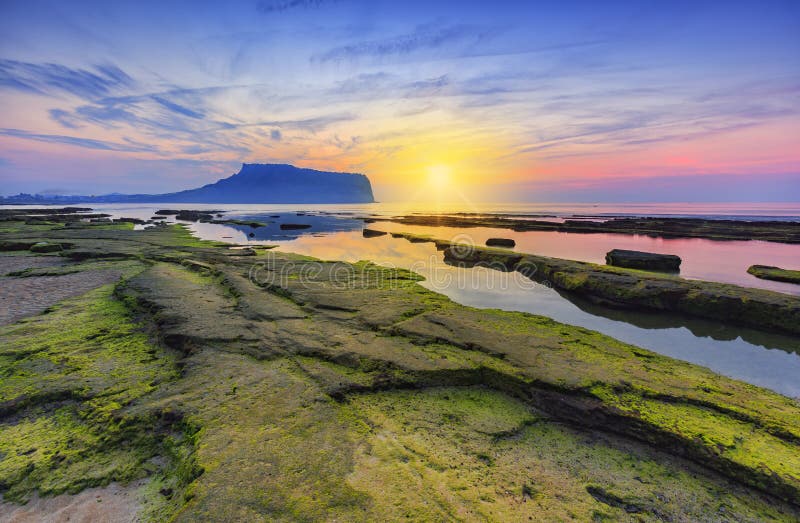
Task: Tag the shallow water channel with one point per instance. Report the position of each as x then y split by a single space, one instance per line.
765 359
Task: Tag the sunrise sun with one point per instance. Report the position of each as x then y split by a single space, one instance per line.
439 176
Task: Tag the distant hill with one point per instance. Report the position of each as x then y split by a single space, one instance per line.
254 183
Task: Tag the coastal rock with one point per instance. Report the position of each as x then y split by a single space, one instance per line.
41 247
247 251
501 242
771 231
648 261
766 272
498 386
372 233
619 287
246 223
15 245
194 216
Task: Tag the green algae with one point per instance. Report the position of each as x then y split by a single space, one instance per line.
67 375
631 288
310 399
475 454
774 273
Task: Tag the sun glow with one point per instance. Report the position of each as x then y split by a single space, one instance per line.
439 176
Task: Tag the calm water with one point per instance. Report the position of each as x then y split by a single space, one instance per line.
723 261
768 360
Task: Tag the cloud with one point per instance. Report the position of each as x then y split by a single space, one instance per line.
196 149
103 115
49 78
165 117
344 144
149 113
430 87
177 108
425 37
65 118
366 82
308 124
279 6
87 143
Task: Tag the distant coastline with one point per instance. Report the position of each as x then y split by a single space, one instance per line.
254 183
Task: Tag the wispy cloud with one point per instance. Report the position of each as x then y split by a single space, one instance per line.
196 149
314 124
177 108
65 118
363 83
278 6
105 115
429 87
87 143
49 78
426 37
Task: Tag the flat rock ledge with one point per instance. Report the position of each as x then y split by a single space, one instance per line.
766 272
501 242
648 261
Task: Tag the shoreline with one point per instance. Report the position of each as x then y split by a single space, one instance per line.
630 288
772 231
310 340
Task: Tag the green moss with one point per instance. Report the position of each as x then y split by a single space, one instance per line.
737 440
17 227
474 454
774 273
274 413
68 375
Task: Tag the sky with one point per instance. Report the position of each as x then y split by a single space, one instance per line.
482 101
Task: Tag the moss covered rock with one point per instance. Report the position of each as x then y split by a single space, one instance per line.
767 272
648 261
46 247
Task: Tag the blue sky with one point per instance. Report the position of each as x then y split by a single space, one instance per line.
531 100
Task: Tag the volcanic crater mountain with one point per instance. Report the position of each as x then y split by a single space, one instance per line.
254 183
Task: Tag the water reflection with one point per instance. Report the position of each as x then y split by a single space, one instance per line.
722 261
697 326
290 226
768 360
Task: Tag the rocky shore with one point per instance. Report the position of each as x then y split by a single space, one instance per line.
646 261
276 386
772 231
767 272
630 288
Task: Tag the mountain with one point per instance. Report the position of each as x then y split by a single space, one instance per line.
254 183
279 183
